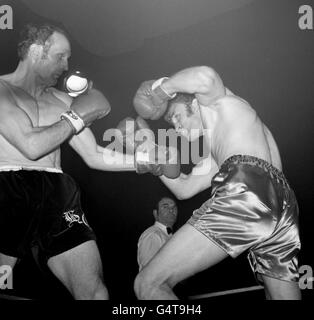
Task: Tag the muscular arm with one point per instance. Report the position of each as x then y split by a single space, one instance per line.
94 155
202 81
16 127
98 157
186 186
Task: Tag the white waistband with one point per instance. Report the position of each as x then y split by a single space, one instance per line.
17 168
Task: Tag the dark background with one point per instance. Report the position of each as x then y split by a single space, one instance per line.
261 55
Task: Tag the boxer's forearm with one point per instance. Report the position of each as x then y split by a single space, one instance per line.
98 157
191 80
43 140
202 81
108 160
176 186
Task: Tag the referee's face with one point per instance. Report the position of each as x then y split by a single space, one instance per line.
167 211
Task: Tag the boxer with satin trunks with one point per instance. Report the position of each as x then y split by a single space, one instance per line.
252 207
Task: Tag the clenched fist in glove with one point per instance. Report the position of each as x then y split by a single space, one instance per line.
151 100
158 160
85 109
139 140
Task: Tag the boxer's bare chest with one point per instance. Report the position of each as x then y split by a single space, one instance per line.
50 108
42 111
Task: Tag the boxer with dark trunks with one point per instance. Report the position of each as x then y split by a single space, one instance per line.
252 207
40 205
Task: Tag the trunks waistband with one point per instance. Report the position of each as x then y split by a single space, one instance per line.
254 161
17 168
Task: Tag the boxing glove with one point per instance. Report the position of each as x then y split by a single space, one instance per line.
151 100
85 109
139 140
158 160
167 157
172 168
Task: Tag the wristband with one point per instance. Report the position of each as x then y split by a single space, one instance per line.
160 91
74 120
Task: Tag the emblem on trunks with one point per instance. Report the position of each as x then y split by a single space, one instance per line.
70 217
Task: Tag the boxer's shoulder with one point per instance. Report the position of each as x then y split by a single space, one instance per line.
232 100
231 106
13 95
52 103
6 88
60 95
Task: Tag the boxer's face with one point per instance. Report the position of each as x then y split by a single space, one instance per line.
167 211
55 61
186 122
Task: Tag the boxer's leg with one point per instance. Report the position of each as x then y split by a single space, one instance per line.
186 253
80 270
276 289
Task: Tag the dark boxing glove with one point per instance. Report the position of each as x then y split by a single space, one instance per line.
158 160
151 100
85 109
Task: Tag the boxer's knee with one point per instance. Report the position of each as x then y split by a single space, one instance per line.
142 286
146 285
95 290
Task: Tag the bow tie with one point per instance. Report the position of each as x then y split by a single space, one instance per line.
169 230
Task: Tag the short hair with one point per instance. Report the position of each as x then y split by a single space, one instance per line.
183 98
38 34
160 201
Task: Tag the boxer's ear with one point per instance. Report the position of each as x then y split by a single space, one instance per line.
35 52
195 106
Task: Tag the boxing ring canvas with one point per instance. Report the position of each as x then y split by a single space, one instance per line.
262 54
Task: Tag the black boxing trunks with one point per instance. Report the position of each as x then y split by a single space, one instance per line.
252 207
42 209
